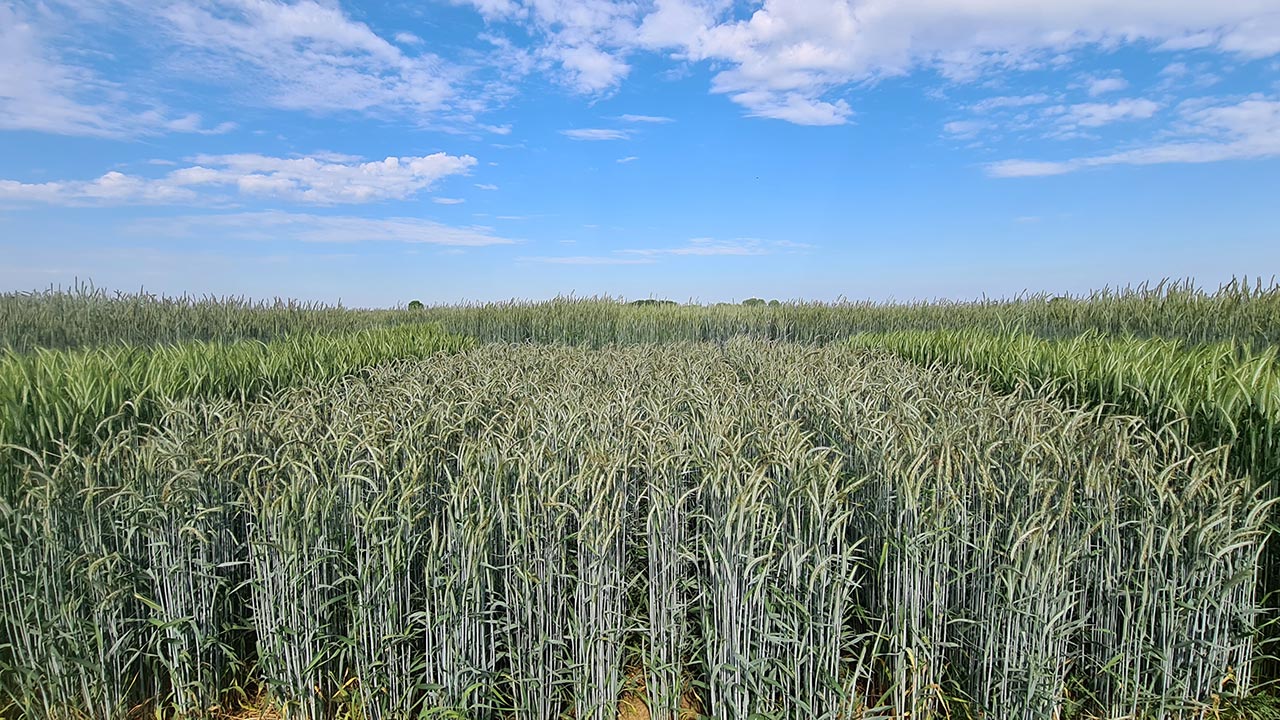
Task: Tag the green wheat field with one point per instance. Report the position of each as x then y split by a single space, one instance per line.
1038 508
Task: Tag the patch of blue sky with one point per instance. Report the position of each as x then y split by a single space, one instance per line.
691 149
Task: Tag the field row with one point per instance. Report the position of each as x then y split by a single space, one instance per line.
1221 393
751 529
85 316
1248 312
50 398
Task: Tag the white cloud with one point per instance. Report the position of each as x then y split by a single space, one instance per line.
332 157
589 68
645 119
1180 75
792 245
326 182
1099 114
191 123
37 92
447 201
1259 36
486 186
310 55
788 57
697 247
627 159
585 260
707 247
1027 168
1018 115
306 227
595 134
965 129
1009 101
318 180
794 60
793 107
1249 129
586 40
110 189
1102 86
40 91
672 23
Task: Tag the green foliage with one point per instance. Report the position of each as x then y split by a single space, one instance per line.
1214 394
753 302
84 316
416 305
802 533
1247 313
51 398
327 504
1218 393
1262 706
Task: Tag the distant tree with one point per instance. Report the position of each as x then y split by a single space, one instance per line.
652 301
415 305
774 303
753 301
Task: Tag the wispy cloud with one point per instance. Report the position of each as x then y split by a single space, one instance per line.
696 247
486 186
585 260
1246 130
1102 86
1031 115
965 129
595 134
794 59
113 188
309 55
1181 75
583 45
192 123
40 91
317 180
447 201
793 107
1009 101
306 227
627 159
1099 114
709 247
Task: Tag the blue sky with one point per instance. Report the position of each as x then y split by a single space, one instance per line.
692 149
